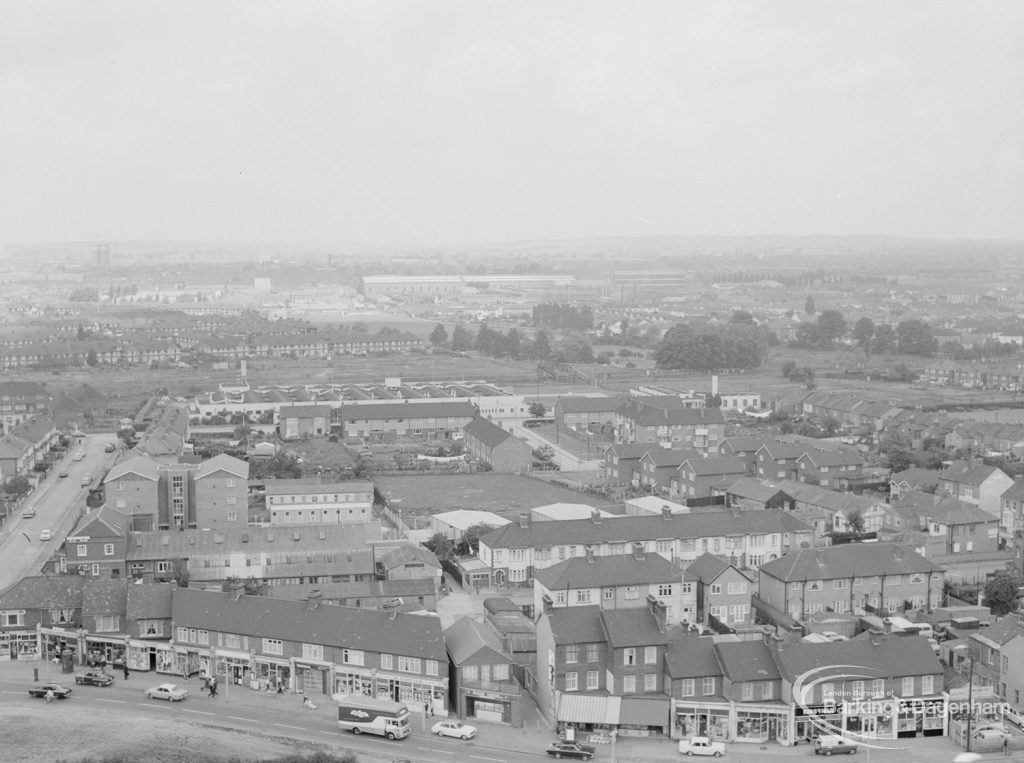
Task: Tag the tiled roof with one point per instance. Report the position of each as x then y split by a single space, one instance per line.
1014 492
632 627
140 465
315 487
629 450
692 657
44 592
223 463
606 572
328 625
747 661
150 601
413 409
465 637
671 457
104 522
408 552
586 404
648 415
916 477
304 411
755 489
847 561
487 432
104 597
742 444
342 539
964 472
832 458
576 625
885 657
711 465
651 527
706 568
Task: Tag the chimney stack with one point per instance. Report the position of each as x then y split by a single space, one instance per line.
524 520
666 513
595 516
313 599
590 554
638 551
237 589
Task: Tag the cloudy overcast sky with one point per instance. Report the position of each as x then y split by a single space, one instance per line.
433 122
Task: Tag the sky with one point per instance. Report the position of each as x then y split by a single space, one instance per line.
457 121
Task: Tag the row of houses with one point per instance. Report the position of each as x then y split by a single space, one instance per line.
27 446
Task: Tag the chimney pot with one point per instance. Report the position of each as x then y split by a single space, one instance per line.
595 516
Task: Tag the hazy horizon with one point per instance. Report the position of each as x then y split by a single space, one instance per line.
453 123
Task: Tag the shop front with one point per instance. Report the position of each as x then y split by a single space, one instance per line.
272 673
701 719
102 650
418 694
925 716
62 645
587 712
643 716
230 666
491 706
872 718
760 723
146 655
312 677
810 721
19 645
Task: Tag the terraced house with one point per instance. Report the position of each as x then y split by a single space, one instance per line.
319 649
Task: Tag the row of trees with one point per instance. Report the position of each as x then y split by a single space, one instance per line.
512 344
559 317
738 344
910 337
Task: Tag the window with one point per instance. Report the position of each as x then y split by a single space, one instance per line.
665 589
431 666
608 594
878 687
273 646
907 688
95 570
748 690
767 689
583 596
386 662
650 681
470 673
108 549
687 688
629 684
687 589
593 680
592 652
107 623
12 617
352 656
231 482
499 672
516 555
716 588
736 588
559 597
650 655
59 616
232 516
232 641
632 592
163 566
927 684
840 583
498 555
814 585
231 500
409 664
629 656
517 575
708 686
571 680
83 550
312 652
572 653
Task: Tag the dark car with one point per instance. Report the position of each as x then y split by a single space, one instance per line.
571 750
59 691
94 678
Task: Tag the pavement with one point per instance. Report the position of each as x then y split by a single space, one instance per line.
494 742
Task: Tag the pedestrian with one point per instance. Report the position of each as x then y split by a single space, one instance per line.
213 689
1006 746
50 696
280 690
126 671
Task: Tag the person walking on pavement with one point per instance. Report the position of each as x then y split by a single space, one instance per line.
213 689
1006 747
126 671
50 696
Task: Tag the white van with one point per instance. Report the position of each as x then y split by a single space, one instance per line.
833 744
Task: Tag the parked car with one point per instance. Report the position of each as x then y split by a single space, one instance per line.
1013 718
60 691
571 750
833 744
86 480
44 535
453 728
28 513
79 455
109 447
170 692
990 734
63 473
701 746
94 678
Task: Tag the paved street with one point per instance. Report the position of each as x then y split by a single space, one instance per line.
58 502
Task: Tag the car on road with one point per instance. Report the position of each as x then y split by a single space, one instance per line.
991 734
453 729
63 473
833 744
79 455
94 678
44 535
86 479
170 692
701 746
570 750
28 513
60 691
109 447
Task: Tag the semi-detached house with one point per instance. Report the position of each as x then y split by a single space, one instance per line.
512 553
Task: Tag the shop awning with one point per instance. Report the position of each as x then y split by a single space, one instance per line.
644 711
589 708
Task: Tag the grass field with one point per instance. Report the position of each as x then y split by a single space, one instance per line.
504 494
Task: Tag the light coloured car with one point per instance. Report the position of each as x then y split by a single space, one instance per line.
170 692
44 535
454 729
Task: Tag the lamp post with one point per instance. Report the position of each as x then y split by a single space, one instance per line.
613 734
970 702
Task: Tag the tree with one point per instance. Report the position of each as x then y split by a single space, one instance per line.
80 333
537 410
541 346
863 332
91 359
899 460
486 340
18 486
470 542
1001 592
855 522
282 466
884 339
915 337
180 573
462 339
831 326
439 336
809 305
441 545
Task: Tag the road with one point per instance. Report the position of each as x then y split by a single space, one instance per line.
566 461
59 502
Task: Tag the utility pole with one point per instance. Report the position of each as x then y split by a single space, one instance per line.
970 703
